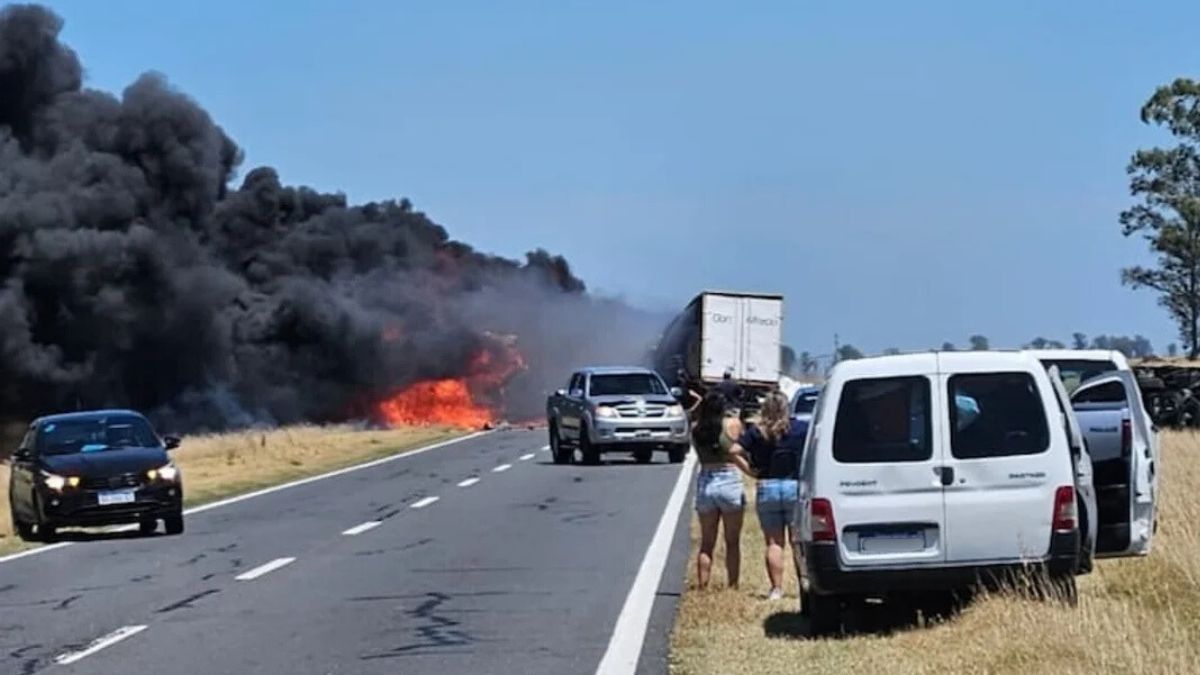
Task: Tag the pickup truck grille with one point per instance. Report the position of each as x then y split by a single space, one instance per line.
650 410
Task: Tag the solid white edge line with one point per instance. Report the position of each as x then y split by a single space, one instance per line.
526 458
545 448
422 503
502 467
359 529
264 569
469 482
98 644
276 488
629 634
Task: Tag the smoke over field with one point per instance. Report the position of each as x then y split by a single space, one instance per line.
136 271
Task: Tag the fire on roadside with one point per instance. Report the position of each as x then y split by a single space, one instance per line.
473 400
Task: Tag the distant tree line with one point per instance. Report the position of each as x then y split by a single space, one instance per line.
1137 346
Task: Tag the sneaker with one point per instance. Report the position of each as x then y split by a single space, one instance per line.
776 594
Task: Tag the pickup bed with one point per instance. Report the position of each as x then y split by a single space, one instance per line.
616 410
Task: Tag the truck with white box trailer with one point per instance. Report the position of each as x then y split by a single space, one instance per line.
719 333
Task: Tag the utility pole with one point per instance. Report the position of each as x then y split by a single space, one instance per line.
836 349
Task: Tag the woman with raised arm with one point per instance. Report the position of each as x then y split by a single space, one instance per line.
720 499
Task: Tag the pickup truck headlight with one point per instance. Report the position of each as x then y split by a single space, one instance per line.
675 411
604 411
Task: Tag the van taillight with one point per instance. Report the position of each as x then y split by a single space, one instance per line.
1065 515
823 527
1126 438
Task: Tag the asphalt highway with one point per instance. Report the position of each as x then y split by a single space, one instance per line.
480 556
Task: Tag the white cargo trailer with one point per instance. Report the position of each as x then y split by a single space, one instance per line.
725 332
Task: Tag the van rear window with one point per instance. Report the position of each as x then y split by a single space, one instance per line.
996 415
883 420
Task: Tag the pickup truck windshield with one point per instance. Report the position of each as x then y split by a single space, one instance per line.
627 384
95 435
1075 372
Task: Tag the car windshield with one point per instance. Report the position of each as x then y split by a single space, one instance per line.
806 401
1075 372
95 434
627 384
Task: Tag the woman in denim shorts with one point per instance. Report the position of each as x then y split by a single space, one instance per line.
775 446
719 496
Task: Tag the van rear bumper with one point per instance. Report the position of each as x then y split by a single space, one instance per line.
825 574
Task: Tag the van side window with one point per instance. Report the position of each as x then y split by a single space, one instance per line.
883 420
1005 416
1109 392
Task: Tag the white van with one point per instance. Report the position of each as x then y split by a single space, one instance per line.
931 471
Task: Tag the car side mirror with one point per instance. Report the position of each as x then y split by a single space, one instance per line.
171 442
676 392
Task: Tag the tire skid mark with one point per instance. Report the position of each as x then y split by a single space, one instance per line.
188 601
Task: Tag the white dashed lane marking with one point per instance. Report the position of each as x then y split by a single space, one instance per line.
265 569
100 643
359 529
469 482
526 458
422 503
502 467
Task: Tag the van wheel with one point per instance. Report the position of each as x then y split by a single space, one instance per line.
643 456
591 455
677 453
824 613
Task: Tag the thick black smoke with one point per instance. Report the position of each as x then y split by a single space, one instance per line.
134 274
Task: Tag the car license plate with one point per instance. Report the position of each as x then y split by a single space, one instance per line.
891 542
116 497
644 433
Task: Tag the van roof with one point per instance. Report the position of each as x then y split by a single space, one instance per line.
1080 355
934 362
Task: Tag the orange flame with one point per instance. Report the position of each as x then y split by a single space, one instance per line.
471 401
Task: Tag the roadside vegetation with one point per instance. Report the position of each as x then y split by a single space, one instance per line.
1134 615
221 465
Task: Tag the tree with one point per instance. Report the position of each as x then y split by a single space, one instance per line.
1079 341
947 346
1172 350
808 365
787 360
847 352
1043 343
1167 181
1133 347
979 343
891 351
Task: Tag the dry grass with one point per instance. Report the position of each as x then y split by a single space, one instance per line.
1139 615
221 465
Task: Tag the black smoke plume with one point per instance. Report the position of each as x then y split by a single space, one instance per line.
135 274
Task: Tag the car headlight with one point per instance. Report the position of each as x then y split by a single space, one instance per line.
675 411
606 411
167 472
57 483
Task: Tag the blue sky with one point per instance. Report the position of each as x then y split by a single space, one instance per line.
905 173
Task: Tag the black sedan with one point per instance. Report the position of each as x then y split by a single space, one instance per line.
103 467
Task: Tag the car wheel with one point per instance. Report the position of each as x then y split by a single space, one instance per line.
643 456
678 453
23 529
560 454
174 524
824 614
147 526
47 532
591 454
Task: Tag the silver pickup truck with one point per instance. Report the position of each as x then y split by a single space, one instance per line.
1121 443
616 410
